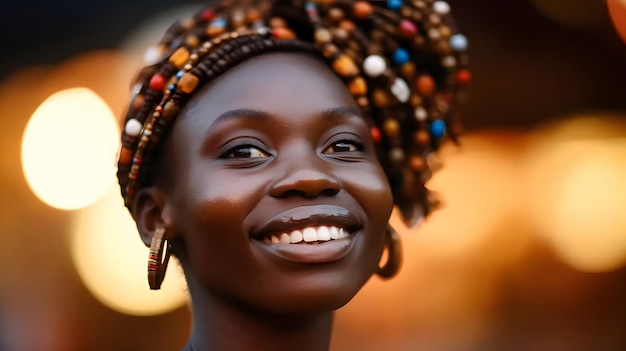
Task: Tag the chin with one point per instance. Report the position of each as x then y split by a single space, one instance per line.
314 294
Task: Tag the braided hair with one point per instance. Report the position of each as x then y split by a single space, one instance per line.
403 61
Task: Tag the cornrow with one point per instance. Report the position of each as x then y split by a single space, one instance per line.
403 61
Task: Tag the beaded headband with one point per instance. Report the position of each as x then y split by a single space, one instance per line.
403 61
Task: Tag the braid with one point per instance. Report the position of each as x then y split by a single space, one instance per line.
403 61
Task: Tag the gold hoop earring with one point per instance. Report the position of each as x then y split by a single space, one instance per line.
157 261
394 254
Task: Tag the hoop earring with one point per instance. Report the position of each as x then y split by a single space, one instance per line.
157 261
394 254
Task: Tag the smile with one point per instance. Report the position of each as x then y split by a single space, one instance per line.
308 235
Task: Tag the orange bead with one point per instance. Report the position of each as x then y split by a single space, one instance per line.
126 155
408 70
381 100
421 137
391 127
188 82
277 22
344 66
417 163
138 102
358 86
253 15
347 26
213 31
179 57
362 9
425 84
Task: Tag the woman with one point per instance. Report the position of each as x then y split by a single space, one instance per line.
266 146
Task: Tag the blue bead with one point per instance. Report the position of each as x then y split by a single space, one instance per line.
458 42
220 22
310 6
400 56
437 129
172 87
179 74
394 4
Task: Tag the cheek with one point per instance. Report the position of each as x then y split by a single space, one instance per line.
370 188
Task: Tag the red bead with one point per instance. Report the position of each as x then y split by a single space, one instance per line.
157 82
376 136
283 33
407 28
208 14
463 76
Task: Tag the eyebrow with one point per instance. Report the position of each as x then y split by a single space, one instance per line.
243 113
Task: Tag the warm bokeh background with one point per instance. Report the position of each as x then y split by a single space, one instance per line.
528 253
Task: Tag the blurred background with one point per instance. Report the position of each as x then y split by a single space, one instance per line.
527 253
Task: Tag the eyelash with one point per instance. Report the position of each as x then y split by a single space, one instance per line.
352 142
231 152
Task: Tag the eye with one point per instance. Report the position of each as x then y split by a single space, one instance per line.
344 145
245 151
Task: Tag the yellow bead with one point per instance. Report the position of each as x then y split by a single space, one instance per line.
179 57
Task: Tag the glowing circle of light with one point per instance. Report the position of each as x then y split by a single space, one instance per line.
617 10
577 196
112 261
68 149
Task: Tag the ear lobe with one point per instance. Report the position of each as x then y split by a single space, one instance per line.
149 213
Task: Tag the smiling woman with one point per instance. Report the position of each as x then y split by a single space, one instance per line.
266 146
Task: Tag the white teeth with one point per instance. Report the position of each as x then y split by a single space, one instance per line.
334 233
323 234
285 238
309 235
296 236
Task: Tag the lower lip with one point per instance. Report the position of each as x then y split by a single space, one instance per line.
319 252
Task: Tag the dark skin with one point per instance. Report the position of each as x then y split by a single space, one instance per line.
274 146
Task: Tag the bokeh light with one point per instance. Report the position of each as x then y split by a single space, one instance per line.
112 261
617 10
568 13
578 192
68 149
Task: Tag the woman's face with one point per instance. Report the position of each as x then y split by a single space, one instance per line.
275 151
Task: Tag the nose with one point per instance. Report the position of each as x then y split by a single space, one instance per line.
305 180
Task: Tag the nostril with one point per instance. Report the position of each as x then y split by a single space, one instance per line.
305 183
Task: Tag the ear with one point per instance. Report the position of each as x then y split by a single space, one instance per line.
151 212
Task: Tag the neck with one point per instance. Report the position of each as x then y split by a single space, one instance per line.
228 326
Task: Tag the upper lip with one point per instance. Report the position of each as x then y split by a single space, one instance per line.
307 216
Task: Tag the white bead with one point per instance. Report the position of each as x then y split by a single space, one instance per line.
401 90
133 127
448 61
374 65
433 34
152 56
135 89
441 7
421 114
458 42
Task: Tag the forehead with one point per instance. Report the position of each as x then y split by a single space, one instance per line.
285 84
